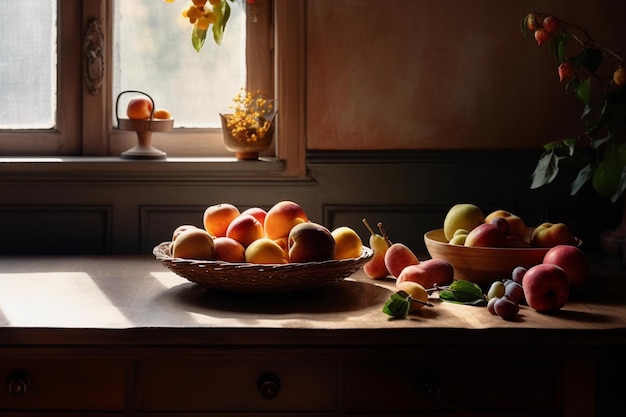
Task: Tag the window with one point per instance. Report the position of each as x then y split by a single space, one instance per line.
83 124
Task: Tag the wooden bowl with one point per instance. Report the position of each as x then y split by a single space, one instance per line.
481 265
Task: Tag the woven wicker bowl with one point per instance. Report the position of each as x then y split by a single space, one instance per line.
257 278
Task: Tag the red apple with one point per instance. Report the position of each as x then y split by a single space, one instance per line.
546 287
572 260
486 235
310 242
548 235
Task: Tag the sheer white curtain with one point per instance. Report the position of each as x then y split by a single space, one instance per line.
28 50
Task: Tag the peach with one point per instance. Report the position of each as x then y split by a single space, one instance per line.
139 108
428 273
265 251
282 217
517 226
283 242
162 114
310 242
194 243
228 249
217 217
256 212
398 257
245 229
181 229
548 235
348 243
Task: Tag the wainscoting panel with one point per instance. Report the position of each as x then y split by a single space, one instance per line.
157 223
48 211
55 229
402 223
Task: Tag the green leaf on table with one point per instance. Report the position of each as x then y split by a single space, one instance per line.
463 292
398 305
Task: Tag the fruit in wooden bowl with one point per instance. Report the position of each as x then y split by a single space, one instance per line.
481 265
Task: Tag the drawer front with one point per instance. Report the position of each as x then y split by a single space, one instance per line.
63 384
236 385
438 385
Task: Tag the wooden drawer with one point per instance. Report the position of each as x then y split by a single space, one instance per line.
440 385
63 384
236 385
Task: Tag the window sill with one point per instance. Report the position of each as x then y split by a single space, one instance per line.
117 169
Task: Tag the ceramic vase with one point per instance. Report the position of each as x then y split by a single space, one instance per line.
246 149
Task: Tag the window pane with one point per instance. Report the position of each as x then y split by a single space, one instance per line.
153 54
28 49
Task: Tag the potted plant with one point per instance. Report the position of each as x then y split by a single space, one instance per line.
595 75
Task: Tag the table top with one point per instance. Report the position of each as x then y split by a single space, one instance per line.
135 299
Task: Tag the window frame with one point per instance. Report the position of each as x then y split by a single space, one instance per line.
96 137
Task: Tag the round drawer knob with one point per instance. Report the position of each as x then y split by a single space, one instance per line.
429 387
268 386
18 383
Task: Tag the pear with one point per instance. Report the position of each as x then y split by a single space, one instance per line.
375 268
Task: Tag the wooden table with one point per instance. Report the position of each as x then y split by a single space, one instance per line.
125 336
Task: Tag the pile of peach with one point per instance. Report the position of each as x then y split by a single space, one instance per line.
283 234
140 108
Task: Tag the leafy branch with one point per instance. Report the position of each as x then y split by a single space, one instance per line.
601 147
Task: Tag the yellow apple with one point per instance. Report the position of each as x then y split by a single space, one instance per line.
462 216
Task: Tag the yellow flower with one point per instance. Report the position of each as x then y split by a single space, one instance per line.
252 117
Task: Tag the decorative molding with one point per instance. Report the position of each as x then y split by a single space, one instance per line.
93 57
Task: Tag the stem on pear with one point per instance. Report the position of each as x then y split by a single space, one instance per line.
383 233
368 227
